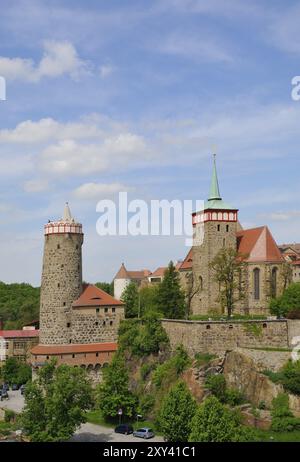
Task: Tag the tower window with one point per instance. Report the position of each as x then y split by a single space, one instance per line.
111 323
97 354
224 242
58 246
227 228
218 227
104 323
70 341
58 285
64 303
68 324
207 326
96 323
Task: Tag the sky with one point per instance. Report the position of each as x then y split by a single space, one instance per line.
135 95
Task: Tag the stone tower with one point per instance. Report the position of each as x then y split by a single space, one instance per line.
215 227
61 278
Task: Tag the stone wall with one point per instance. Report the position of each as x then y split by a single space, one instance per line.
218 337
92 327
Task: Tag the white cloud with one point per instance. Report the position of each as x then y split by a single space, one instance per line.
59 58
36 186
98 190
106 70
71 157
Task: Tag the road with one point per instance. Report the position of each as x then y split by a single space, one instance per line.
86 433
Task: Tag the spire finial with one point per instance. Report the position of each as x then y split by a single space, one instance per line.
67 216
214 193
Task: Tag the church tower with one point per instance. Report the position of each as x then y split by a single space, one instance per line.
61 278
215 227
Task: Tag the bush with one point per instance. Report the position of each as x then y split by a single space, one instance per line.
172 368
146 403
217 385
288 376
146 369
203 358
282 417
9 416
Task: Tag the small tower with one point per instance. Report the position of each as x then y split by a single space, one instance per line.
218 224
61 278
121 281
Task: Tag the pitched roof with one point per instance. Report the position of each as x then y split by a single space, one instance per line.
123 273
160 271
259 245
295 247
73 348
187 262
93 296
19 333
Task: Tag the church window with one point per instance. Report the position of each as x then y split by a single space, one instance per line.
274 283
256 277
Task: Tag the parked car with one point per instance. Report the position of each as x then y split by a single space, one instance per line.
145 433
124 429
22 389
15 386
3 395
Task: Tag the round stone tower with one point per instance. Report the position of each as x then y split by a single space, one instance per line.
61 278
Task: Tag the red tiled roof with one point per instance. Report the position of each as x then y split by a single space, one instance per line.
159 272
259 245
73 348
296 262
123 273
188 261
19 333
93 296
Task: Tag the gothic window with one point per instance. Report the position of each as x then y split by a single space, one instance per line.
256 280
274 283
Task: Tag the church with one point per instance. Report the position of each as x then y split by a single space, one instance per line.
264 274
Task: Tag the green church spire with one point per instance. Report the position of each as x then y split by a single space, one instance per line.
214 192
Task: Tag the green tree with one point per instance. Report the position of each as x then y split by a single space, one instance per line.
108 287
228 269
55 403
177 411
113 393
214 422
130 298
15 371
283 419
19 304
288 304
170 296
148 299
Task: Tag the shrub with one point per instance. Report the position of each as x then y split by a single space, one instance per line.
9 415
288 376
282 417
146 369
262 405
203 358
217 385
172 368
146 403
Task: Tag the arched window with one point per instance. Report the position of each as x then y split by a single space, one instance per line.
274 283
256 280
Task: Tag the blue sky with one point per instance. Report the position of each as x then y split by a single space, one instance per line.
132 95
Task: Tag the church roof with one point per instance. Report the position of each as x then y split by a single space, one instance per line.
259 245
93 296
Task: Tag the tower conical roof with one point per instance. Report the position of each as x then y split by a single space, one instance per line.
215 200
67 216
122 273
214 193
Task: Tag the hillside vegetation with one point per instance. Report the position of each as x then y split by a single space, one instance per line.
19 304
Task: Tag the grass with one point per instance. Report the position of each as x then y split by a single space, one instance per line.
278 437
203 358
96 417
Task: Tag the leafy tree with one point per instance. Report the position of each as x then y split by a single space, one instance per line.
16 372
113 393
288 304
171 369
176 413
170 296
286 274
130 298
142 337
55 403
214 422
148 299
290 376
108 287
227 266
